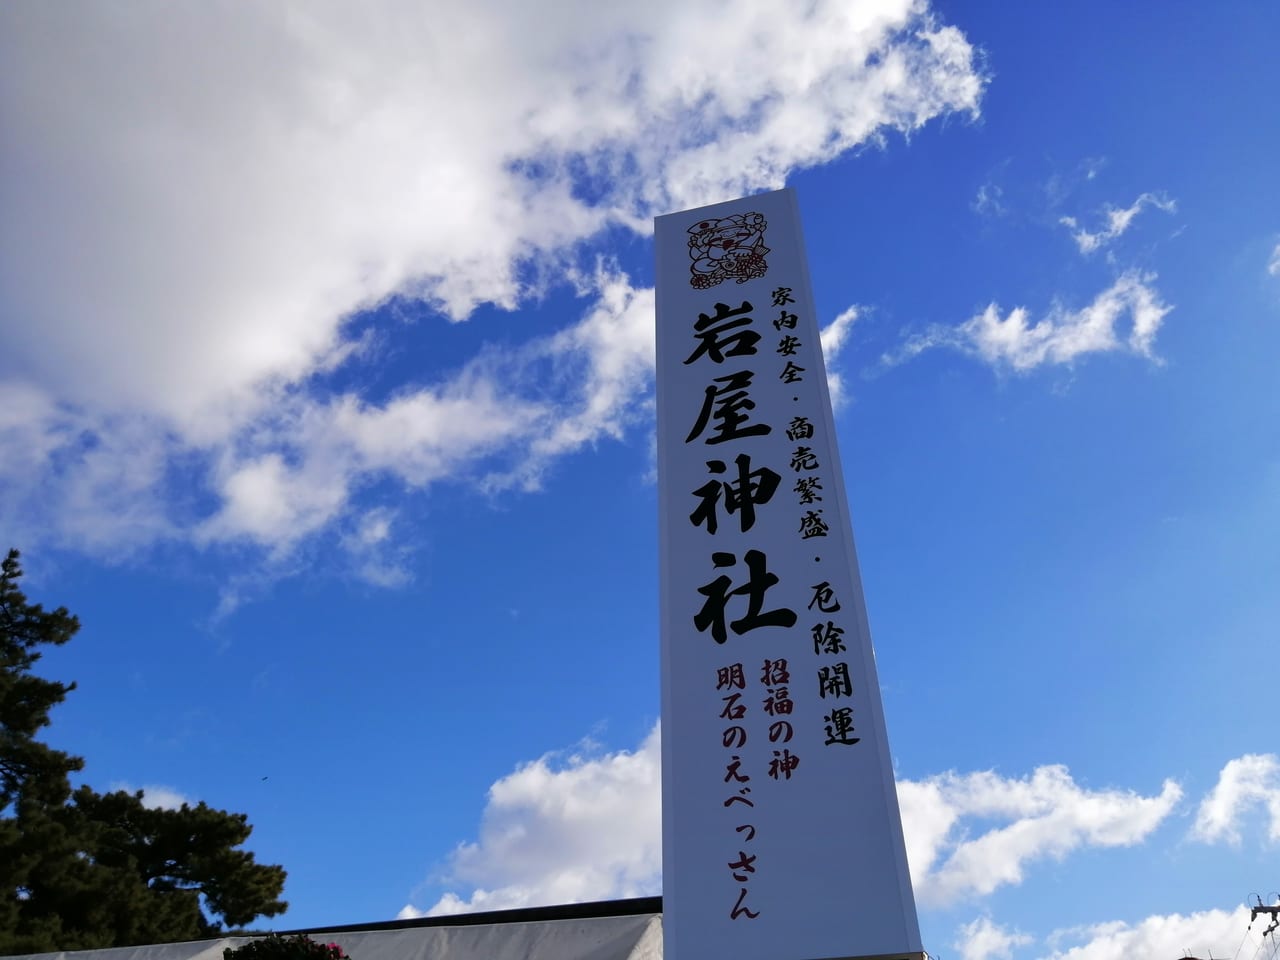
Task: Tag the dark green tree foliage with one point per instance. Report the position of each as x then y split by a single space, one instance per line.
275 947
25 699
80 870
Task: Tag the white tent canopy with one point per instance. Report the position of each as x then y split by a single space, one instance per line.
524 936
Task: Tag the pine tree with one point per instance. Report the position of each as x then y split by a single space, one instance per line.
82 870
25 699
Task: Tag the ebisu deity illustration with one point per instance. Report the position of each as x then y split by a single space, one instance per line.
727 248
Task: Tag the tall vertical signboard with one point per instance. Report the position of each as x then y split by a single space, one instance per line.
781 833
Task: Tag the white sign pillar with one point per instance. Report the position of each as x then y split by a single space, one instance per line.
781 833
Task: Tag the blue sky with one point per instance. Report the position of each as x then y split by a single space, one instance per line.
326 402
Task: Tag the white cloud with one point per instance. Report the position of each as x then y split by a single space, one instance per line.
31 430
989 200
1245 782
1116 221
609 357
97 484
1061 336
549 833
198 199
984 940
1047 816
564 831
1273 265
1205 934
267 500
504 417
379 558
156 797
835 336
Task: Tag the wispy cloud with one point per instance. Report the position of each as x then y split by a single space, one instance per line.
501 419
1061 185
1061 336
984 940
379 557
1273 265
1243 784
1115 222
1046 815
989 200
835 337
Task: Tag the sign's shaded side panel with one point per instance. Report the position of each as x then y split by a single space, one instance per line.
781 832
875 706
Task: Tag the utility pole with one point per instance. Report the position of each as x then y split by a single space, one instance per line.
1256 910
1272 911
